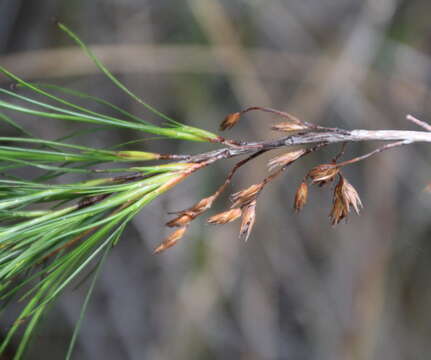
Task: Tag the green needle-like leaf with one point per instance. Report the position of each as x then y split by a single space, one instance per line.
52 231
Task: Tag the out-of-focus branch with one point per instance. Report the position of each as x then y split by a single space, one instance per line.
132 58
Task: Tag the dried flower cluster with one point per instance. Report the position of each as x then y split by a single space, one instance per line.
246 196
345 195
248 219
171 240
225 216
285 159
301 196
323 174
186 216
244 202
291 123
230 121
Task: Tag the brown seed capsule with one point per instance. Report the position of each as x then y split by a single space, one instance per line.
230 121
248 219
287 126
171 240
301 196
245 196
225 217
285 159
321 174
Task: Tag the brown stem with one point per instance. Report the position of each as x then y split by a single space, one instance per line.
234 169
378 150
340 153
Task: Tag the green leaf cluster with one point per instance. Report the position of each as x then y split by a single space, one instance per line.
50 232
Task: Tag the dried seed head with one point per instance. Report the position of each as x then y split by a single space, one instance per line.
171 240
288 126
348 194
285 159
338 212
185 216
230 121
321 174
345 195
301 196
248 219
202 205
245 196
225 217
180 220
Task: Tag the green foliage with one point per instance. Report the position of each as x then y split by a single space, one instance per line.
51 232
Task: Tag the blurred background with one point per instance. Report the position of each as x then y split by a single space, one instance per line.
299 289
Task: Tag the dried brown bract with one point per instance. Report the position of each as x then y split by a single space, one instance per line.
185 216
345 195
230 121
171 240
349 195
321 174
285 159
180 220
203 205
248 219
301 196
225 217
244 197
338 211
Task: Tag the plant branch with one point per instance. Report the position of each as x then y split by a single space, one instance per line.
315 137
376 151
418 122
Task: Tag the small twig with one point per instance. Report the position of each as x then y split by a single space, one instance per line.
234 169
378 150
418 122
341 153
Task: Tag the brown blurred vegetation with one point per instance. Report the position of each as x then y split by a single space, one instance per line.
299 289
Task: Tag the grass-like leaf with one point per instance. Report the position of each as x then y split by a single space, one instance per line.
52 232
